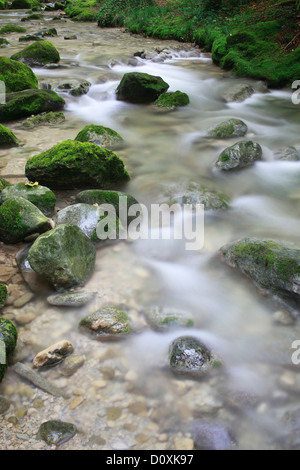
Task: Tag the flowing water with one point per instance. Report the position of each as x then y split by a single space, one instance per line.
124 396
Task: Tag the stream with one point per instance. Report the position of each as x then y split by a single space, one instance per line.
124 396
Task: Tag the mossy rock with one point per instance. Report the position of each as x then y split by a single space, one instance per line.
75 87
38 54
59 6
4 184
7 138
3 294
228 129
23 4
16 76
239 155
52 32
30 38
3 42
29 102
137 87
12 28
189 357
99 196
56 432
3 5
45 119
76 165
64 256
20 218
34 16
99 135
195 193
271 265
43 198
172 99
8 341
163 318
106 323
238 93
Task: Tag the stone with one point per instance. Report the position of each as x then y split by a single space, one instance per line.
228 129
38 54
99 135
162 318
56 432
29 102
45 119
210 435
239 155
36 282
238 93
84 216
75 87
42 197
7 138
171 100
53 355
16 76
76 165
138 87
4 405
19 218
106 323
194 193
64 256
8 341
70 299
289 154
71 364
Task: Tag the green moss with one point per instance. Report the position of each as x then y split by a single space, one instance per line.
138 87
3 42
38 53
3 184
171 100
34 16
28 102
3 4
17 76
3 294
45 119
8 334
11 28
43 198
76 164
23 4
7 138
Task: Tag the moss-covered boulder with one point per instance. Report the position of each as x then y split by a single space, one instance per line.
28 102
52 32
30 38
106 323
64 256
272 266
194 193
19 218
99 135
99 197
228 129
3 42
38 54
239 155
188 356
23 4
4 184
163 318
40 196
7 138
12 28
45 119
16 76
8 341
172 99
137 87
76 165
3 294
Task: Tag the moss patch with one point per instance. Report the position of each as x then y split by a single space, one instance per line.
3 294
17 76
7 138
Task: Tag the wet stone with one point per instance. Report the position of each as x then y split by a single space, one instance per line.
71 364
113 413
162 318
210 435
70 299
56 432
53 354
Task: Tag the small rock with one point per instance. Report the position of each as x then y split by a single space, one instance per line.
70 299
23 300
76 401
71 364
106 323
53 354
113 413
56 432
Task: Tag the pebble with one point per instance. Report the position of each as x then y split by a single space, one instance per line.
100 383
113 413
71 364
138 408
183 443
23 300
53 354
76 401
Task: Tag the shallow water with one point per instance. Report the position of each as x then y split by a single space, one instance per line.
155 408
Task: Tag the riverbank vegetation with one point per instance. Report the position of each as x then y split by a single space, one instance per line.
257 39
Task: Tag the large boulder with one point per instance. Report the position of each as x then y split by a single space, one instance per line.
8 341
239 155
40 196
19 218
7 138
99 135
38 54
228 129
64 256
137 87
272 266
25 103
76 165
16 76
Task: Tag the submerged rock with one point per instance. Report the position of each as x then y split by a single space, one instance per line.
64 256
56 432
43 198
289 154
7 138
8 341
46 119
239 155
172 99
53 355
106 323
99 135
75 87
16 76
76 165
162 318
20 218
271 265
228 129
238 93
28 102
137 87
70 299
38 54
188 356
210 435
194 193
